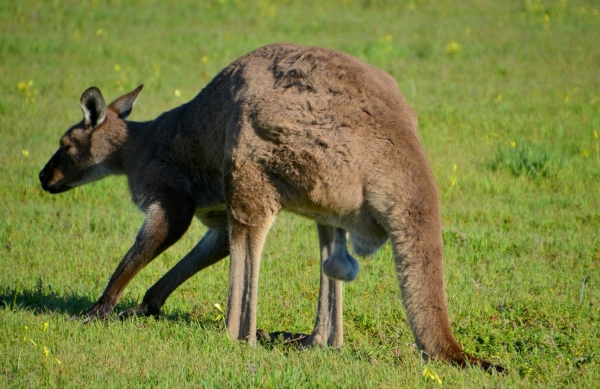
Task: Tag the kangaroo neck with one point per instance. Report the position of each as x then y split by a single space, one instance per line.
145 139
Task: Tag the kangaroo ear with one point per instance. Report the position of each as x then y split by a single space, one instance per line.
124 104
93 107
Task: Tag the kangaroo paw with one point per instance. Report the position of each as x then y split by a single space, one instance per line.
141 310
100 310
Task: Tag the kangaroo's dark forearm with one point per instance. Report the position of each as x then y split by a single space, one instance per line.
213 247
134 261
165 223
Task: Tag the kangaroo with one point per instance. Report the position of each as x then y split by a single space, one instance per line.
310 130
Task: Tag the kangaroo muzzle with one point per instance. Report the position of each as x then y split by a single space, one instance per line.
50 178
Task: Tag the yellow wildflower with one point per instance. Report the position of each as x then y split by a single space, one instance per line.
45 327
46 351
221 314
453 48
432 375
177 93
25 87
453 176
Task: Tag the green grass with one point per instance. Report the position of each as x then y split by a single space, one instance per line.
509 118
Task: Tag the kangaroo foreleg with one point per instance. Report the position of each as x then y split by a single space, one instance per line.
165 223
213 247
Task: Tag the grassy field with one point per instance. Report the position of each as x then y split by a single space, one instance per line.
508 98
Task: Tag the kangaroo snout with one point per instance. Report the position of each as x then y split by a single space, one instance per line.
44 177
49 178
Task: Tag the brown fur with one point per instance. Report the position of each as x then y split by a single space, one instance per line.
309 130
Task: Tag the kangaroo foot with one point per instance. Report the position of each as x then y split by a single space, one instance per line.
141 310
283 337
100 310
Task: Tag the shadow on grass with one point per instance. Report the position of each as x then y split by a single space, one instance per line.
41 300
44 300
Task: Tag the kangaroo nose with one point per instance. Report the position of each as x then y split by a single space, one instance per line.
42 175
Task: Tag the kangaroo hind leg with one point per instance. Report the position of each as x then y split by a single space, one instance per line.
246 247
328 328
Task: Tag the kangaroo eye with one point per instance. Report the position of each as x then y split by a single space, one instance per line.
65 148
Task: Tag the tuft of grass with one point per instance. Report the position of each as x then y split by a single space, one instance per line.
524 158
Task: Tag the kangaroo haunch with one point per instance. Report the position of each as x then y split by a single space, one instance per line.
310 130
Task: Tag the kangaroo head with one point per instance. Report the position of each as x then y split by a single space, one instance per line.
89 150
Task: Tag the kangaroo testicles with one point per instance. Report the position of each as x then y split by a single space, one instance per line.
341 265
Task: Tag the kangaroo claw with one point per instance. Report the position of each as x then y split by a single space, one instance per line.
100 310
